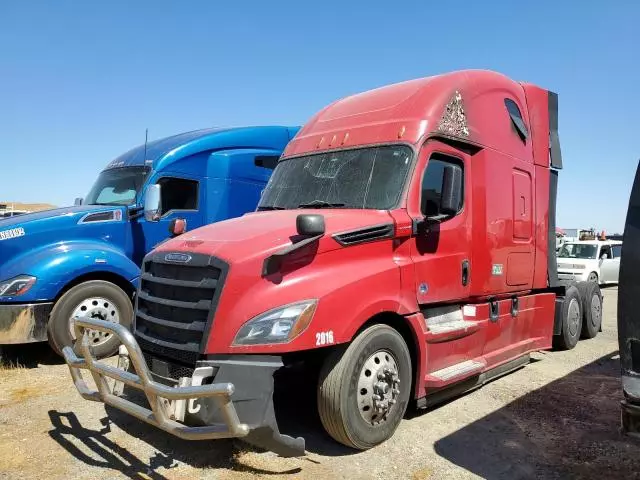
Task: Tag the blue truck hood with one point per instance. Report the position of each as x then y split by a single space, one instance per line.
64 213
24 236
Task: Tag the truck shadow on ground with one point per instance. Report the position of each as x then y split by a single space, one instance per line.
296 413
106 453
170 452
29 355
566 429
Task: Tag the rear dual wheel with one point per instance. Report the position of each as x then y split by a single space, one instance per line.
571 320
581 315
364 390
591 298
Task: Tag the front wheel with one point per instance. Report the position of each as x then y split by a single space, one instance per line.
94 299
363 391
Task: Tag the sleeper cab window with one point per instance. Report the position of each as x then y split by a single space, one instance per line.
442 193
517 122
266 161
178 194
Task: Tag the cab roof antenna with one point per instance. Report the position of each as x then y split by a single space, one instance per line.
146 137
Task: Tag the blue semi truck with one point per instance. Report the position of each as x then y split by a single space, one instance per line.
85 260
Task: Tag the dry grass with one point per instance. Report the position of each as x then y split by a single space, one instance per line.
7 365
422 474
15 461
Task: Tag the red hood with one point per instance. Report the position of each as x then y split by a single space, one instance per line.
319 273
262 233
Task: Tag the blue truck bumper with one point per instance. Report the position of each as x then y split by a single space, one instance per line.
24 322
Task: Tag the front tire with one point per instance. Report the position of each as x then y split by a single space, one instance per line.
95 299
363 391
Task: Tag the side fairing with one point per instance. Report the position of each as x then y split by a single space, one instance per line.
236 179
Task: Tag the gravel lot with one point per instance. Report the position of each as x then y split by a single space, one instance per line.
558 417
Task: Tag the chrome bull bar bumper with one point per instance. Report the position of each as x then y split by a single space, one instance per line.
157 394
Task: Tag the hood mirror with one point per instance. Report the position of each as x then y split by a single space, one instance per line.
78 201
310 224
152 203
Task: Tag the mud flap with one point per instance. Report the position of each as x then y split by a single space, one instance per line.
629 312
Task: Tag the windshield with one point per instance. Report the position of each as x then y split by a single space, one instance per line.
365 178
117 186
578 250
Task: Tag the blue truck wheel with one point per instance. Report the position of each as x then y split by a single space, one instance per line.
94 299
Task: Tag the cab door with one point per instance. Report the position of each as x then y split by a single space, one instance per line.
182 197
441 243
609 264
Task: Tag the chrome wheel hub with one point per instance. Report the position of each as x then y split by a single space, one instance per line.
378 387
596 310
95 307
573 320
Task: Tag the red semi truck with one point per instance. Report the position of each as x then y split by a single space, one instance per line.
406 241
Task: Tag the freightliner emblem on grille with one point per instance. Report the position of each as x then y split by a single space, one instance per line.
177 257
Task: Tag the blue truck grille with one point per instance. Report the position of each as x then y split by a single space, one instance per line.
175 305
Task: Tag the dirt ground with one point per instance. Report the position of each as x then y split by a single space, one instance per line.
558 417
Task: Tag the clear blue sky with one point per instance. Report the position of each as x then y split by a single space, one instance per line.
80 81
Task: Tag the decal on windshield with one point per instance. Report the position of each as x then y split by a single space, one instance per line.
12 233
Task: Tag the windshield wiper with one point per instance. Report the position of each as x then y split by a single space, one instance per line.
263 208
320 204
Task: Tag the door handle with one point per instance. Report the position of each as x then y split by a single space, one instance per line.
465 273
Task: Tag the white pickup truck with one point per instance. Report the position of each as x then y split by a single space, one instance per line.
590 260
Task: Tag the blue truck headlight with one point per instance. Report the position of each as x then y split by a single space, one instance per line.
279 325
16 286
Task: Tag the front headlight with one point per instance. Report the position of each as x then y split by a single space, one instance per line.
280 325
16 286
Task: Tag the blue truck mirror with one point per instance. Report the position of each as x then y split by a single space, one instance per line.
77 201
152 203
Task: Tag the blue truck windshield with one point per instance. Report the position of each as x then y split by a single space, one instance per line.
364 178
117 186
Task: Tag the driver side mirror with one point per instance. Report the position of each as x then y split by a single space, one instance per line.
451 190
78 201
152 203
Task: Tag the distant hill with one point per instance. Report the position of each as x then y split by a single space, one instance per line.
32 207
